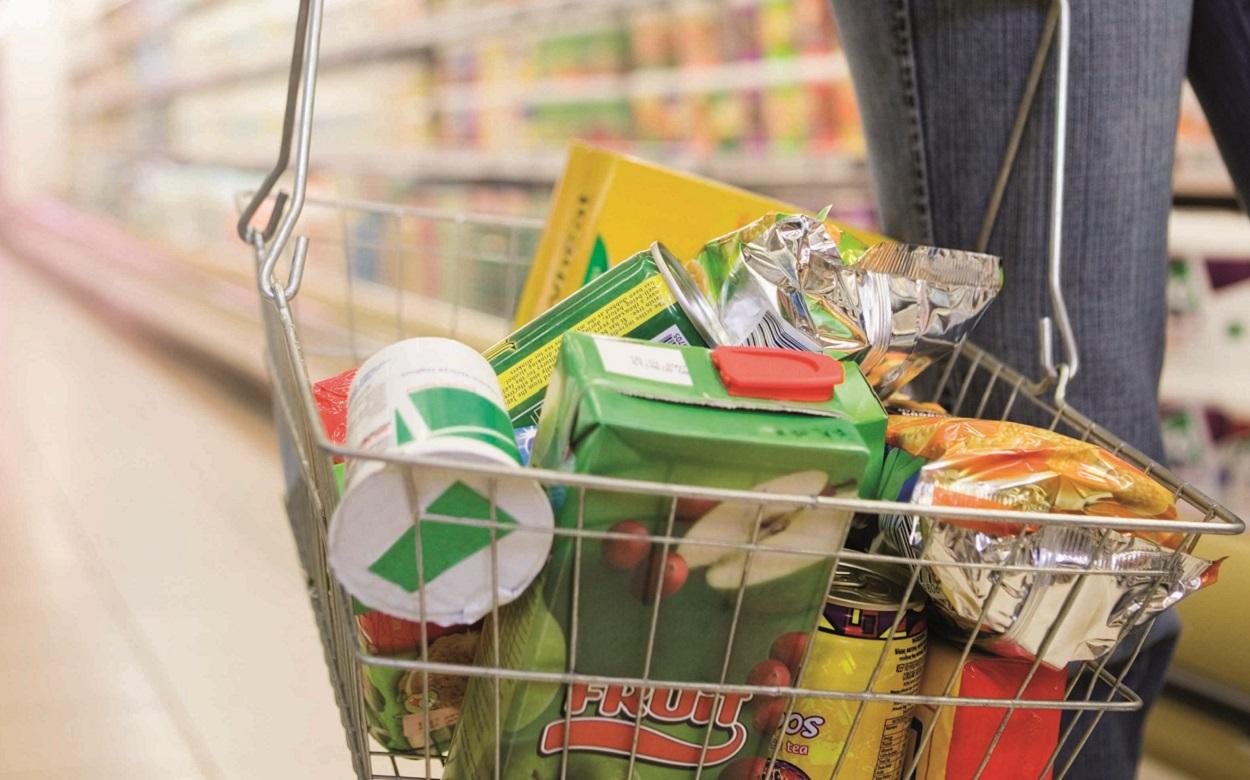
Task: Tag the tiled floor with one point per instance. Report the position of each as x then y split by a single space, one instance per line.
153 619
153 623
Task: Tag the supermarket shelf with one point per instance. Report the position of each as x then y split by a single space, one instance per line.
205 305
652 82
154 26
143 285
1208 233
539 167
426 32
1200 174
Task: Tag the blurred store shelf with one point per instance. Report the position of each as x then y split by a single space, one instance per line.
144 284
423 31
1210 363
541 166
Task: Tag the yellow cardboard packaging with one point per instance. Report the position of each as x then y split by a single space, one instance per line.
609 206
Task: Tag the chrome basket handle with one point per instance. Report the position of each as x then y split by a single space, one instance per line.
1058 375
301 90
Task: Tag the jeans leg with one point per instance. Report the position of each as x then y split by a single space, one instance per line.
1114 748
938 82
1219 70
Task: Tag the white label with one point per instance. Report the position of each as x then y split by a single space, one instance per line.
645 362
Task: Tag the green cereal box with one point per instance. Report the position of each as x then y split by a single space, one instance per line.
631 299
645 411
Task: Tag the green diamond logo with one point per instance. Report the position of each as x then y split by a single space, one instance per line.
443 545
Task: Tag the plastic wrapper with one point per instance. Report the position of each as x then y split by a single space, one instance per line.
1002 465
962 735
1127 575
999 464
782 282
331 398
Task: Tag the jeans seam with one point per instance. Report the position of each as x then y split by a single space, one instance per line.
905 49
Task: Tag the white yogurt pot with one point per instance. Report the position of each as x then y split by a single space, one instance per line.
434 397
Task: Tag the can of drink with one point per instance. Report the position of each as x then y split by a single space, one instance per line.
398 541
855 629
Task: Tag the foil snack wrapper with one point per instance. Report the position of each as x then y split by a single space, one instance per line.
781 282
1128 576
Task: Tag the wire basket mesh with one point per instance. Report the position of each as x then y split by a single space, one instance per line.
380 273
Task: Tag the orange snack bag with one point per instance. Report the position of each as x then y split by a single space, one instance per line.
1005 465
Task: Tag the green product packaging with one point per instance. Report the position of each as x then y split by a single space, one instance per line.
393 702
630 409
899 468
631 299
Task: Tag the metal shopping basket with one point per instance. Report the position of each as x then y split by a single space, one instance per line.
379 273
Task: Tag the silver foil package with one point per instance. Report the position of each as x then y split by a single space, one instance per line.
782 282
1127 580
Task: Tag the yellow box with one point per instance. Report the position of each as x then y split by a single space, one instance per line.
609 206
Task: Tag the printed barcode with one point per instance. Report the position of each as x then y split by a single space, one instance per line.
671 335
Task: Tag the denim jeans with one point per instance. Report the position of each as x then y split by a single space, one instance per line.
938 82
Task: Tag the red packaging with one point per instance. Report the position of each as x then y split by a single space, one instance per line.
962 735
331 397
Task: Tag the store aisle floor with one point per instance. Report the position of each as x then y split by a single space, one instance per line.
154 624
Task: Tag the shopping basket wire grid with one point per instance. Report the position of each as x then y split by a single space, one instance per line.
378 273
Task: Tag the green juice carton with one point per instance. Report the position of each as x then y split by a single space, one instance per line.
730 418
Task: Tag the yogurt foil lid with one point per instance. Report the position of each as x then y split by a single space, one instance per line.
379 557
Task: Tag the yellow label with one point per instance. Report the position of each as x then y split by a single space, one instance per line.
818 731
620 316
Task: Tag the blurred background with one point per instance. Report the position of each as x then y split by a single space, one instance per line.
156 624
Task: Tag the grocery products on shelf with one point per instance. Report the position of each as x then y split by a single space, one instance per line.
699 80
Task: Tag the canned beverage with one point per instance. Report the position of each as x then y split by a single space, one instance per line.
853 633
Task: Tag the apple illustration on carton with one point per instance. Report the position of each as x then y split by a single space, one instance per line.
731 596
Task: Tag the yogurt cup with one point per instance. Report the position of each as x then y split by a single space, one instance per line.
438 398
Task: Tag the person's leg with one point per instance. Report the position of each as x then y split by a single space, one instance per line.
938 83
1219 70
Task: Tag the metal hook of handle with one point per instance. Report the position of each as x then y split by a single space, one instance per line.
301 92
244 227
1057 21
296 276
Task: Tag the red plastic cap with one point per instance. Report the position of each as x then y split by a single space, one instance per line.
777 374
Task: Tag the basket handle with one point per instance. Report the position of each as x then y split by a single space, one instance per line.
1058 374
301 89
